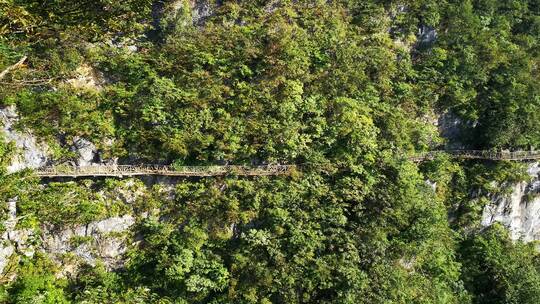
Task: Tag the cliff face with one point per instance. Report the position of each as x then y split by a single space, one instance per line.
520 210
104 240
32 154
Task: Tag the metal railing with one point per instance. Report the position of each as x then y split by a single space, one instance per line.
479 154
264 170
163 170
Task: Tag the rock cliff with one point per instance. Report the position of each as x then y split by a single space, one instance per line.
32 154
520 210
103 240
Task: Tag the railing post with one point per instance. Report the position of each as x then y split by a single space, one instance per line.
263 170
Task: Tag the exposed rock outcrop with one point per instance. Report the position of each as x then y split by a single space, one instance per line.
88 154
6 251
454 130
519 211
91 242
12 240
450 128
426 36
201 10
6 247
32 154
104 240
182 13
87 78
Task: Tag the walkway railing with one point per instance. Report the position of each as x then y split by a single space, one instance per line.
479 154
265 170
138 170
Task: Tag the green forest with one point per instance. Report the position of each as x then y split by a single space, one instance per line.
349 86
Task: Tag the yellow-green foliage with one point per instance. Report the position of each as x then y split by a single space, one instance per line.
348 84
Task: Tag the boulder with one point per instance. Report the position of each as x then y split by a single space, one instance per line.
87 151
201 10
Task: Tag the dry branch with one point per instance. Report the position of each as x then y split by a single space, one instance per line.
13 67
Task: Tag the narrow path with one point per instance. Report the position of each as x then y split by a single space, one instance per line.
146 170
266 170
479 154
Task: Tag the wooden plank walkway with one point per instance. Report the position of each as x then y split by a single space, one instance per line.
265 170
479 154
161 170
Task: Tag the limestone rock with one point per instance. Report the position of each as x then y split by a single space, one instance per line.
32 154
11 214
197 12
13 241
99 240
519 211
451 128
427 35
89 154
113 224
87 151
99 244
22 240
5 254
110 250
201 9
87 78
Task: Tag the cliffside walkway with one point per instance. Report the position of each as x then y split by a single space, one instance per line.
265 170
479 154
161 170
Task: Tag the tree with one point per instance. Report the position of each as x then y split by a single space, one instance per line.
36 283
496 270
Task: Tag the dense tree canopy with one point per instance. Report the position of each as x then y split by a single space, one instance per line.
349 85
